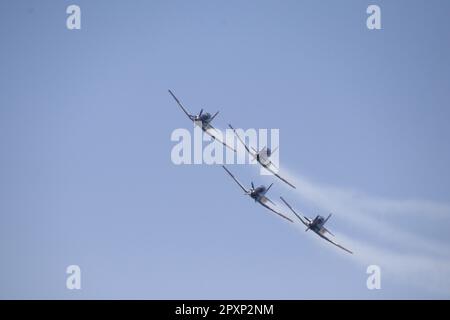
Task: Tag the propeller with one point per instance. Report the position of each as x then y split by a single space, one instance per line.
253 186
197 117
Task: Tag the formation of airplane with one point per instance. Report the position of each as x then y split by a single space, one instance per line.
317 225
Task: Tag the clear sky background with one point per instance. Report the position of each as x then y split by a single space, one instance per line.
86 176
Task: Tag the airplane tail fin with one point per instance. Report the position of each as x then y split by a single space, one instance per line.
212 118
329 216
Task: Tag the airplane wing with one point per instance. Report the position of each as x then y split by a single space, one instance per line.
276 168
181 106
210 130
252 153
264 202
237 181
267 167
335 243
305 220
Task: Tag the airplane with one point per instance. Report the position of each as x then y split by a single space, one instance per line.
316 225
204 119
259 195
262 157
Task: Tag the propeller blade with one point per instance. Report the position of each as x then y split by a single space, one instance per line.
274 150
200 114
253 186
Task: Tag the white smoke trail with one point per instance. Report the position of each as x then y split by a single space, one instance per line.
375 205
416 269
407 256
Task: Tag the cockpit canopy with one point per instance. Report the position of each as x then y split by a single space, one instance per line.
260 189
320 219
205 116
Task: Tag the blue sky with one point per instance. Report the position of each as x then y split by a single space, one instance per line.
86 176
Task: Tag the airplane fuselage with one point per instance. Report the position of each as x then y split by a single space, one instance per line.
205 117
255 196
317 224
204 124
258 193
262 159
